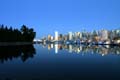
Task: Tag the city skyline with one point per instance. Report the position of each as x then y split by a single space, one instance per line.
101 37
102 32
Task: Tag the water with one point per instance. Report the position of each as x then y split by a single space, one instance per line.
59 62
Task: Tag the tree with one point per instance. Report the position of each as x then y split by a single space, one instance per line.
14 35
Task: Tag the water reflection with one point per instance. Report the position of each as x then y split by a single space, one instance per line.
10 52
67 64
93 49
56 48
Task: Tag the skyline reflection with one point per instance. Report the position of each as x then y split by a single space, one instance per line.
84 49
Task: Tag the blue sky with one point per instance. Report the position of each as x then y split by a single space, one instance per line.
47 16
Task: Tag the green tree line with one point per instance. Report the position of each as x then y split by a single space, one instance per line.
8 34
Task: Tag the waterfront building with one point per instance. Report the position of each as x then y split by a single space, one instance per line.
56 36
60 37
111 35
70 35
65 37
118 33
77 35
49 37
104 35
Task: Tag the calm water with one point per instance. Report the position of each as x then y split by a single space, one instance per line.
59 62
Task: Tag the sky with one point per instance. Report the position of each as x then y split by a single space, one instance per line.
47 16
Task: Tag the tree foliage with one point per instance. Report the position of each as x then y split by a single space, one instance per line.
25 34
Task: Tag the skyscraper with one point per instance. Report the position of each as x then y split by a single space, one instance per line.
49 37
104 35
56 35
70 36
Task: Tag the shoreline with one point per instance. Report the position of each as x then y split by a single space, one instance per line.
84 43
30 43
15 43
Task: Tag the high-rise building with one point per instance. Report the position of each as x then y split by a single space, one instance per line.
70 36
104 35
65 37
78 35
56 36
118 33
60 37
49 37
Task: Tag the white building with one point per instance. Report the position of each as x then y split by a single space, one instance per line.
56 35
70 35
104 35
78 35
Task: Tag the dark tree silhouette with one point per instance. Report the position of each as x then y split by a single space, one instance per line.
14 35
